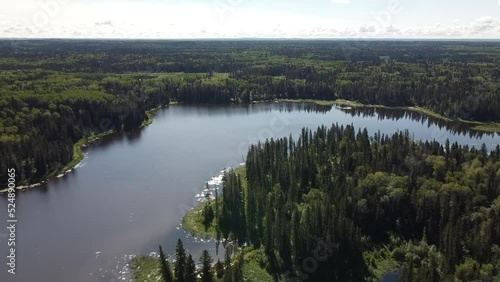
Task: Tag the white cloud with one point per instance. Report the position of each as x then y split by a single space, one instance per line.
484 24
392 29
367 29
131 19
108 23
345 2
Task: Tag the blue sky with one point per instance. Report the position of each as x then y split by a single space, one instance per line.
250 18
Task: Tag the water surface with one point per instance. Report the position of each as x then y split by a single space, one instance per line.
131 189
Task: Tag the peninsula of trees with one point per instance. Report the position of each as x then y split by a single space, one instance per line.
338 205
55 93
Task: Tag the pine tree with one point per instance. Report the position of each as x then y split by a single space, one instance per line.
219 269
190 273
208 213
180 263
217 205
206 270
205 216
165 267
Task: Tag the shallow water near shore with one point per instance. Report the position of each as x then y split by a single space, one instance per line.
130 191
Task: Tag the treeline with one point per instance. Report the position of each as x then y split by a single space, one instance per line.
337 205
39 125
455 79
186 270
54 92
453 127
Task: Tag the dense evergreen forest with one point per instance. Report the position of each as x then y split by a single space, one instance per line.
53 93
185 269
338 205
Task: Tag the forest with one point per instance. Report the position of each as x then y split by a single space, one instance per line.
54 93
339 205
183 268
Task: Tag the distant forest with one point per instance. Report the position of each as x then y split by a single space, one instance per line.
53 93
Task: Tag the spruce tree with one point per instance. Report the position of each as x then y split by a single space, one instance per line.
190 273
180 263
165 267
219 269
208 213
206 270
205 216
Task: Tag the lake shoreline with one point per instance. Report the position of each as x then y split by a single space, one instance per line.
78 154
341 103
192 223
474 125
146 206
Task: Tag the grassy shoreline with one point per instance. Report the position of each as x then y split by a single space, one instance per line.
151 115
78 154
192 222
474 125
146 267
77 158
421 110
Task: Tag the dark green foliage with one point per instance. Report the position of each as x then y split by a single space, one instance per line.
208 215
185 267
55 92
190 273
227 258
180 262
233 211
206 268
165 267
40 125
219 269
435 207
233 270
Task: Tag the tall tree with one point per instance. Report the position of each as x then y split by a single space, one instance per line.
165 267
206 269
180 263
190 273
219 269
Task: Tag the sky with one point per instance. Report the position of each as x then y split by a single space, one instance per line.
179 19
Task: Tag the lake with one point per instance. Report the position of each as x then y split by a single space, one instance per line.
129 193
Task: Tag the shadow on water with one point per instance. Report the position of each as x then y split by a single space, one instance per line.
303 107
454 127
124 197
131 137
245 109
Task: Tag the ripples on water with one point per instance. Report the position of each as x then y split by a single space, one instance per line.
125 196
123 271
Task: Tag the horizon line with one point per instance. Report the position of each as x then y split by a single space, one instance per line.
253 38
